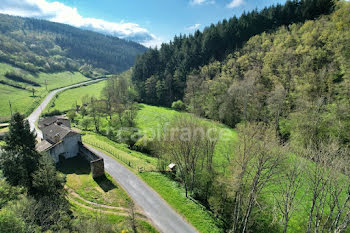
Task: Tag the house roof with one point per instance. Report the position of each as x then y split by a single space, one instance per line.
49 121
43 146
58 130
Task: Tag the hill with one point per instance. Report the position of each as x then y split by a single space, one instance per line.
297 78
161 74
42 46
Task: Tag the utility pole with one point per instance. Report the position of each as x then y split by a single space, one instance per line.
10 107
46 84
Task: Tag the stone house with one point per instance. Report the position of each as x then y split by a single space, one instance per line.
61 142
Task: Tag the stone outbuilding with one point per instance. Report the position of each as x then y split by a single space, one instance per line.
61 142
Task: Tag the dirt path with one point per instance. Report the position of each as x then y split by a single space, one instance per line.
120 211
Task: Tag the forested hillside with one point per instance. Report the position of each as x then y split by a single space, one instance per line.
38 45
161 74
297 78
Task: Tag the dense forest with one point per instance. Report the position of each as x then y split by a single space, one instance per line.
161 74
38 45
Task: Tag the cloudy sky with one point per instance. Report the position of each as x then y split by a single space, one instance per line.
149 22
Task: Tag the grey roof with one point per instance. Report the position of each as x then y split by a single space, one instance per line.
58 130
49 121
43 146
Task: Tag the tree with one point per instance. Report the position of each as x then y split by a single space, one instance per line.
258 159
20 159
178 105
71 115
10 223
186 143
327 184
46 181
85 123
289 184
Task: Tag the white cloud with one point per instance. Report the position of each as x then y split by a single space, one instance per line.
60 13
193 27
235 3
201 2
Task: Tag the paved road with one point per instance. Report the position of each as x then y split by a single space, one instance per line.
37 112
161 214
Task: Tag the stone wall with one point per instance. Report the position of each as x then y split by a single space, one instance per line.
96 162
97 168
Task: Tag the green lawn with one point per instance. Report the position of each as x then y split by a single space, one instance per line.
132 159
120 222
101 191
22 100
69 98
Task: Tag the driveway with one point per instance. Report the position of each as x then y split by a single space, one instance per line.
161 214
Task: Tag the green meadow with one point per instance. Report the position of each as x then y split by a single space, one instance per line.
70 98
22 99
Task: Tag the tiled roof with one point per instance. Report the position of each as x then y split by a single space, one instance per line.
58 130
43 146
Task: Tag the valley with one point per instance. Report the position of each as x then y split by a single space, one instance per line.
235 127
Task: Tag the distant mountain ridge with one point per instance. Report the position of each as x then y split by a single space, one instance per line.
37 45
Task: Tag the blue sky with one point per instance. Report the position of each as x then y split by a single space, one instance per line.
149 22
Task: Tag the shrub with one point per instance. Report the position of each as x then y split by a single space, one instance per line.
53 113
143 145
9 222
178 105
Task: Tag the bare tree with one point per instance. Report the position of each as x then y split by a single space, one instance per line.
187 143
258 157
289 184
328 180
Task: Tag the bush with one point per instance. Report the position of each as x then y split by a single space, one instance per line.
53 113
178 105
143 145
128 136
9 222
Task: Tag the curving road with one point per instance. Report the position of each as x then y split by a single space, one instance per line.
164 218
37 112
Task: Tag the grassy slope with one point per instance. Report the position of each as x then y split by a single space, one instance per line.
68 98
22 100
121 222
150 119
101 191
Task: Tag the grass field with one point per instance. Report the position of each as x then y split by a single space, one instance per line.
102 198
22 100
120 222
69 98
151 119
